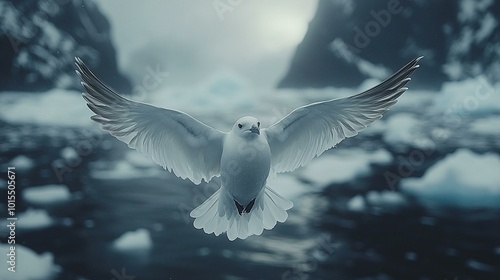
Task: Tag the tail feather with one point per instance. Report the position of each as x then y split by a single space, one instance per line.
205 206
276 209
218 214
211 222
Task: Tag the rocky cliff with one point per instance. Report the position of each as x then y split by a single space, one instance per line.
39 40
350 41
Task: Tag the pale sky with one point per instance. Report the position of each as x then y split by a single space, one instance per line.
252 39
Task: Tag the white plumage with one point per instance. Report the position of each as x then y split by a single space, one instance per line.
244 157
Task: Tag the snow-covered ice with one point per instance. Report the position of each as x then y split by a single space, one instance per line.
123 170
46 194
133 165
356 204
486 126
342 165
402 129
388 198
474 96
463 178
29 265
216 91
69 154
54 107
34 219
412 99
139 239
22 162
288 186
359 203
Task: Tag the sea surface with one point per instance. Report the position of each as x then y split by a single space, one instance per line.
323 238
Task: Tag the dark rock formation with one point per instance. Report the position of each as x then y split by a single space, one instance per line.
39 40
349 41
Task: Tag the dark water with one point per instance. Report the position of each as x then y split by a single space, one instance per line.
320 240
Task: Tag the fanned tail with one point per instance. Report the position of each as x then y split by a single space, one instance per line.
218 214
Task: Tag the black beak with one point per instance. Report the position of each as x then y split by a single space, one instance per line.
245 209
255 129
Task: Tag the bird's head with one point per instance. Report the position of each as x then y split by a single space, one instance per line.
247 127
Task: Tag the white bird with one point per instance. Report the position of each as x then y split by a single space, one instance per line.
243 157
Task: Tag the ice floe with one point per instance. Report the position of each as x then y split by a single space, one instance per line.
474 96
29 265
342 165
462 178
123 170
385 198
22 162
54 107
402 129
34 219
139 239
356 204
288 186
47 194
486 126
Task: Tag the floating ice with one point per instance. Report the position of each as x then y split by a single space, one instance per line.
34 219
468 97
139 239
356 204
343 165
401 129
416 99
22 162
216 91
461 179
69 154
481 266
29 265
134 165
124 170
47 194
288 186
45 108
486 126
385 198
359 202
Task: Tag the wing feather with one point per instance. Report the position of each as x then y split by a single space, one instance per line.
310 130
173 139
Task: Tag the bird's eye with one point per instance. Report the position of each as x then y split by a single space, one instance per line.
239 125
258 124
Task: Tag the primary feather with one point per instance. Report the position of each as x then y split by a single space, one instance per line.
173 139
310 130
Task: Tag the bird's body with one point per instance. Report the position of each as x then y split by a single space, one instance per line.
245 156
245 164
244 168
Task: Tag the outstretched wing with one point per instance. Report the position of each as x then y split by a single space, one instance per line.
173 139
310 130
